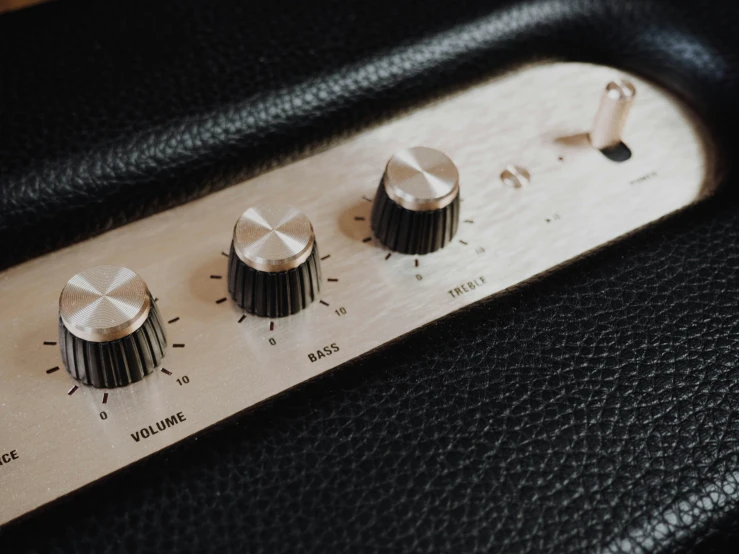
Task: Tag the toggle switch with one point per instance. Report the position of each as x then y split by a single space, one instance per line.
612 114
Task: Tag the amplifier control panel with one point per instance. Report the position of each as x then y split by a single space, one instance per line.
117 347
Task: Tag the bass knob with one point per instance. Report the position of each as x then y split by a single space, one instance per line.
273 265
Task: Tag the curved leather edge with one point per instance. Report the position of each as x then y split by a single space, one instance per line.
95 157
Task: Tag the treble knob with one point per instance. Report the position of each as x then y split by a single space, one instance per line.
110 329
416 208
273 266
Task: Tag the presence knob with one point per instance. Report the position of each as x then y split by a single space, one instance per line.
273 267
416 208
110 330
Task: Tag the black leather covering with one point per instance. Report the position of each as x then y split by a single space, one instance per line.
592 411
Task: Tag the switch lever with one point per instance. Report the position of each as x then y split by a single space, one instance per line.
612 114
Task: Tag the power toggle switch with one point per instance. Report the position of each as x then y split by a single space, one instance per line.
612 114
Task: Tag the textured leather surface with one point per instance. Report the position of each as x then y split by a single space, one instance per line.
594 410
113 110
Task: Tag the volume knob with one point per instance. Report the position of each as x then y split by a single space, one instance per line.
110 330
273 266
416 208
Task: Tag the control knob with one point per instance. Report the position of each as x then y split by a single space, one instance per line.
110 329
273 266
416 208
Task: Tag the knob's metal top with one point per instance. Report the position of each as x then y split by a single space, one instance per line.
273 238
421 179
104 303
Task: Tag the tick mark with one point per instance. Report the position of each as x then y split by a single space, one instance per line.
367 199
72 390
332 280
242 318
49 343
271 325
388 255
468 221
367 239
324 303
358 218
415 262
178 345
105 398
166 371
53 369
463 242
561 159
326 257
224 254
174 320
215 277
221 300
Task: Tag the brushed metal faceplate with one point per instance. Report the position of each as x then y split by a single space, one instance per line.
55 438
